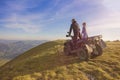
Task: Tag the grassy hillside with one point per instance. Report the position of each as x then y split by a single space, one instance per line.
47 62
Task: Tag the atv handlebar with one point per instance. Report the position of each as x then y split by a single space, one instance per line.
68 35
97 37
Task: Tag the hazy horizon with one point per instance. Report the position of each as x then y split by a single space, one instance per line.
50 20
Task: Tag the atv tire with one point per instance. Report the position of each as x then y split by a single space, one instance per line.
99 49
67 49
83 54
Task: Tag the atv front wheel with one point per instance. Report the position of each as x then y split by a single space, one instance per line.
83 54
67 49
99 49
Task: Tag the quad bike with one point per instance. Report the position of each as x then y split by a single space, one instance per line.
84 48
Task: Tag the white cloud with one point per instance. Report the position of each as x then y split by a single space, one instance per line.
39 19
112 4
108 26
112 18
30 22
100 15
26 27
17 5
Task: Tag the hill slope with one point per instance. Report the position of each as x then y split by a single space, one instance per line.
47 62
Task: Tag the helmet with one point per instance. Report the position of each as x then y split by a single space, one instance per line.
84 23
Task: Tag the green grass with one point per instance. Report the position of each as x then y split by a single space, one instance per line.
47 62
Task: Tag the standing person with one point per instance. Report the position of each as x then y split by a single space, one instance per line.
84 31
76 29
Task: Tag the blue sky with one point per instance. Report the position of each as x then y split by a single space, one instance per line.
51 19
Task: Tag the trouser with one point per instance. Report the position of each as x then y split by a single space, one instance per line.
76 37
80 36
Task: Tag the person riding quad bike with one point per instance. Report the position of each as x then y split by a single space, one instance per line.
83 47
76 31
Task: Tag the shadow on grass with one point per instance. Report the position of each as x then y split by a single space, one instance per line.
39 64
49 62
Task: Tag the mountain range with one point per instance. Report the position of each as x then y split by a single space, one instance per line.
9 49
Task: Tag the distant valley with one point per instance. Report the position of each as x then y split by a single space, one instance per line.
9 49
